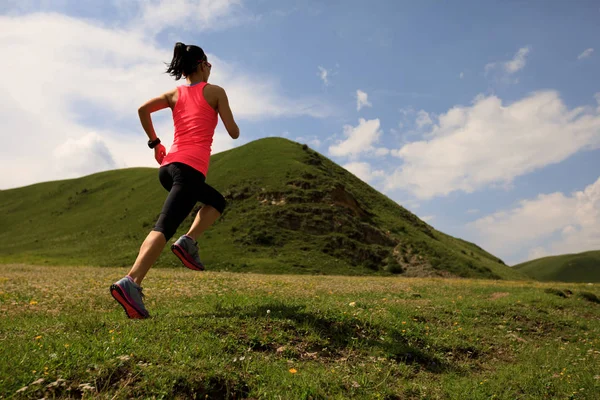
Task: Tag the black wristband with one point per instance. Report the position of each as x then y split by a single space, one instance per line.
153 143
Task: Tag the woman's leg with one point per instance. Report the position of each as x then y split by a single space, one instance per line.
179 203
214 205
149 253
205 217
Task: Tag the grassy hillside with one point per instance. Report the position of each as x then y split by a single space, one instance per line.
290 210
219 335
582 267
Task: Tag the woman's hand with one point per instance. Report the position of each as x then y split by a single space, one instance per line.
159 153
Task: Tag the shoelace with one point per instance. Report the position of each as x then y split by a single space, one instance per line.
141 292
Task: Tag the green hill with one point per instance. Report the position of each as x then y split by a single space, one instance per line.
290 210
582 267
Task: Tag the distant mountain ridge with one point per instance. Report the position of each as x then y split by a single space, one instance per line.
290 210
581 267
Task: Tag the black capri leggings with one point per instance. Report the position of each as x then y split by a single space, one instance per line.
186 187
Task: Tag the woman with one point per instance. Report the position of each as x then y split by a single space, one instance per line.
183 171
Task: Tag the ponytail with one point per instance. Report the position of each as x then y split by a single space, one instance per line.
185 60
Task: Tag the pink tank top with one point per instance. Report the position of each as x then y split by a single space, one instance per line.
195 122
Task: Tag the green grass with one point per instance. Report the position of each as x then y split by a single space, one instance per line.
290 210
232 335
582 267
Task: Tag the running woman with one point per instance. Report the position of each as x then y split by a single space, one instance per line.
183 171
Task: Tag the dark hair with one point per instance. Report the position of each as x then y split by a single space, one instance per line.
185 60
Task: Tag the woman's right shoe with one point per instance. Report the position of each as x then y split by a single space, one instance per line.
186 249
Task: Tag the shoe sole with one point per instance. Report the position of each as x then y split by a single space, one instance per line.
183 257
121 298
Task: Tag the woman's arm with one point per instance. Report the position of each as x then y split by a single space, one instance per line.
155 104
226 114
158 103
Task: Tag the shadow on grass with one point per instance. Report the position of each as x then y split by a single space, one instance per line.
339 334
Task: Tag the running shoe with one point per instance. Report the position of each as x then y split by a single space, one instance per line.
129 295
186 249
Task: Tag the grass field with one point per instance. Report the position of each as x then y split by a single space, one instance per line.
582 267
232 335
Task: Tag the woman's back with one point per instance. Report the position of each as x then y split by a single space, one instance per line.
195 120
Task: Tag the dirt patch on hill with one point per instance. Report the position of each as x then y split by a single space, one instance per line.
416 265
340 197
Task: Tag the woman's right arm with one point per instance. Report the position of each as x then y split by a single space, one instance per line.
155 104
226 114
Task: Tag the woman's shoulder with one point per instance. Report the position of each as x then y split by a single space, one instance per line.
172 96
213 94
214 88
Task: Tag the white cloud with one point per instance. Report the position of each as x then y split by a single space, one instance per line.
461 75
382 151
89 77
362 100
427 218
423 119
504 69
82 156
406 111
222 141
518 61
315 143
472 211
197 15
324 75
411 124
312 141
586 53
359 138
537 252
549 224
491 143
364 171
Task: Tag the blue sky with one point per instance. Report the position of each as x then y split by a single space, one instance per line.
483 118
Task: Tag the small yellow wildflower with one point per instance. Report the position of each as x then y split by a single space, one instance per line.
38 337
293 370
33 302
